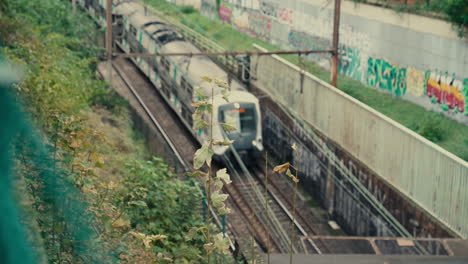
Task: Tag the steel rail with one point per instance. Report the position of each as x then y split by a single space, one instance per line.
301 229
282 235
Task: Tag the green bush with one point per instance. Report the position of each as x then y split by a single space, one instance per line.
162 204
457 12
187 9
431 127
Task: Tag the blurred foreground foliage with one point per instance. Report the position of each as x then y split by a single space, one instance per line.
79 203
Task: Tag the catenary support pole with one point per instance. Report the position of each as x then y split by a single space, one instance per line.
109 38
336 35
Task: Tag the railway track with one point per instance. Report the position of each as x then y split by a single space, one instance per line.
271 227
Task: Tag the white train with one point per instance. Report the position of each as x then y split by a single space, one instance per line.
175 77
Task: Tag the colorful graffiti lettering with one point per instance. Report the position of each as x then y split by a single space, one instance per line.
303 41
268 9
259 26
415 81
225 13
384 75
285 15
465 92
240 20
446 91
349 62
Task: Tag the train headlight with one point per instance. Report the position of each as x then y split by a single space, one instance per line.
254 142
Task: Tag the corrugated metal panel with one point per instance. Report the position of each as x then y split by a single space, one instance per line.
435 179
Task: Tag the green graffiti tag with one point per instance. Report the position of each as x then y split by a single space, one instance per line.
384 75
372 72
350 62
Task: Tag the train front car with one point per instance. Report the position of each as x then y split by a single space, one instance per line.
176 77
242 111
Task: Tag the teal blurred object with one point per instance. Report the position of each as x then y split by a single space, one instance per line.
14 248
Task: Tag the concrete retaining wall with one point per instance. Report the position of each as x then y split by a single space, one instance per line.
435 180
417 58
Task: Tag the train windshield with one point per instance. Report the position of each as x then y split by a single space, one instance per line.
242 116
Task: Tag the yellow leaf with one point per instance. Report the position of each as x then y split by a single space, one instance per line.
294 147
120 223
75 144
138 235
281 168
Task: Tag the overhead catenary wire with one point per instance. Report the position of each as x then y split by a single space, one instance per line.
220 53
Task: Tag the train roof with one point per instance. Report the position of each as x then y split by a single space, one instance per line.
169 39
235 96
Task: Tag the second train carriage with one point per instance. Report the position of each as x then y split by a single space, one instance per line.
176 76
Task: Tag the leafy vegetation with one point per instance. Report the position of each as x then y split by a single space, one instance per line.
453 134
138 213
216 244
455 11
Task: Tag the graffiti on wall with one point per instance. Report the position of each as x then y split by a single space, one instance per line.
384 75
415 81
224 13
286 16
304 30
268 8
446 91
349 62
304 41
259 26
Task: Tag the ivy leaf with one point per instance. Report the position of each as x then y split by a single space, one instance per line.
223 175
224 210
196 116
199 92
221 83
290 175
229 127
218 199
207 79
221 243
282 168
138 203
138 235
205 107
121 223
225 94
197 174
157 237
209 247
199 103
294 147
200 124
202 155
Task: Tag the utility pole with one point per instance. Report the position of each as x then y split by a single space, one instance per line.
336 35
109 38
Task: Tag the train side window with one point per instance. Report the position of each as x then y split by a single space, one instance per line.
133 30
186 85
166 65
186 115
